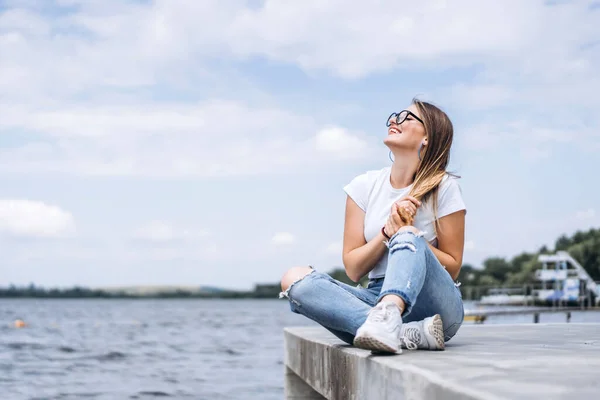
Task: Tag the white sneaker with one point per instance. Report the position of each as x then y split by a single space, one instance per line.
427 334
381 330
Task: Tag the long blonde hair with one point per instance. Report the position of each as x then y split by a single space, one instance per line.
434 157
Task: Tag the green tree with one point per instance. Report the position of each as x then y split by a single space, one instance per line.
583 246
588 255
562 243
468 275
497 268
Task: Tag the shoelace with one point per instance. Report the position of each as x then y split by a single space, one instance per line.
411 338
379 314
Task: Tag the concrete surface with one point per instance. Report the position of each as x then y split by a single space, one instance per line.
297 389
541 361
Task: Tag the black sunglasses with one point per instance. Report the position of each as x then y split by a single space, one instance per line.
400 117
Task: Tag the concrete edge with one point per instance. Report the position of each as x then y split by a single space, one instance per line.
530 324
337 371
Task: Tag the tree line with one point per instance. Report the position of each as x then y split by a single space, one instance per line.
584 246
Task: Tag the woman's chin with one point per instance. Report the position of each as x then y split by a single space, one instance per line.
399 147
393 140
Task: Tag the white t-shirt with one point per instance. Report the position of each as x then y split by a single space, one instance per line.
374 194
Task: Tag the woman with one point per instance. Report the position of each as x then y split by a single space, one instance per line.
404 226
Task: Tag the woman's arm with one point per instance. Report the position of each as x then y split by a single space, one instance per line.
359 256
451 241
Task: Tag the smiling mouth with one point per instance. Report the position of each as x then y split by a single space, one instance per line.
394 131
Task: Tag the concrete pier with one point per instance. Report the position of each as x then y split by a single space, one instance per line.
541 361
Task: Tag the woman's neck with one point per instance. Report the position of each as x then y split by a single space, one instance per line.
403 172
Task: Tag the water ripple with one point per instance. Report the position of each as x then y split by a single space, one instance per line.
144 349
151 393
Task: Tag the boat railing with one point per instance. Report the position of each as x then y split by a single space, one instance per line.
529 294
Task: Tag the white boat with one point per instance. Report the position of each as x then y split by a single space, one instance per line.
565 280
562 280
505 297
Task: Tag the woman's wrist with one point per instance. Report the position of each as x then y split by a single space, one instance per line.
409 228
405 228
387 237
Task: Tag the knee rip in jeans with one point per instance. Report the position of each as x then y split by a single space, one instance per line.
404 245
286 293
395 243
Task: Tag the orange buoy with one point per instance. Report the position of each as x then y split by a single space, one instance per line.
19 323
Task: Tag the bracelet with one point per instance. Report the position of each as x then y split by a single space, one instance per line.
384 234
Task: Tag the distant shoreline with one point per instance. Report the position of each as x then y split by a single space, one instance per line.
33 292
167 297
497 272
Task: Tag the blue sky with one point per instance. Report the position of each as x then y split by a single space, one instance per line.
207 143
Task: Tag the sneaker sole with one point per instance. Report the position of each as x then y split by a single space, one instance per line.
435 331
375 345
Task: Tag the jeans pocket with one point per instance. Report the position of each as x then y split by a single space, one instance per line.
374 282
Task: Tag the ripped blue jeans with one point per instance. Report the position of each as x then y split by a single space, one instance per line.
413 273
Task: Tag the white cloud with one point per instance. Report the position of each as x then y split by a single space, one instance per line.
340 143
172 140
283 238
27 218
362 38
351 40
522 48
134 45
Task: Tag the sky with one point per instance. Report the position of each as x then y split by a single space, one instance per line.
208 142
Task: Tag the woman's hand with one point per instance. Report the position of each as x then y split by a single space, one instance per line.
402 214
407 209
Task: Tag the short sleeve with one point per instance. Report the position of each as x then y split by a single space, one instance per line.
450 199
358 189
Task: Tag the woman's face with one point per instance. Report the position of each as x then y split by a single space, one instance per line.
409 134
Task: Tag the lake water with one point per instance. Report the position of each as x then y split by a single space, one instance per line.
150 349
139 349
